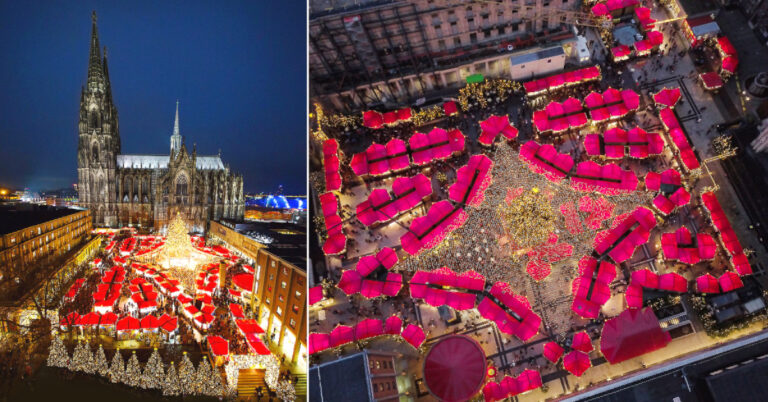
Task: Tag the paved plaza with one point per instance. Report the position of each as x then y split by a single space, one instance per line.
482 243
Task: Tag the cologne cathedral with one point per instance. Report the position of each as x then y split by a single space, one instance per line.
144 190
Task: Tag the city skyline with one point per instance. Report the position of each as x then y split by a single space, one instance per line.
226 93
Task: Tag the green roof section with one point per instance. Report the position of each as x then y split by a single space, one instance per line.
475 79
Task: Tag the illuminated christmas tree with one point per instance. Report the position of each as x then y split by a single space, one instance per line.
187 376
100 362
117 368
79 358
153 376
171 382
132 372
205 381
177 244
89 364
57 355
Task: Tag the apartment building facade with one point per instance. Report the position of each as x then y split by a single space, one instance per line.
30 234
367 53
278 297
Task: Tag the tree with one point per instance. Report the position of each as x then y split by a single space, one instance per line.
100 362
79 358
58 356
117 368
89 365
171 383
205 381
132 372
187 376
153 376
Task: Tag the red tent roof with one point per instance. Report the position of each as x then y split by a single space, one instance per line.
218 346
553 351
393 325
257 345
249 327
128 323
581 341
315 294
632 333
576 362
707 284
414 335
243 281
454 368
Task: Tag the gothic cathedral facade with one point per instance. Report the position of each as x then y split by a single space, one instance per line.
144 190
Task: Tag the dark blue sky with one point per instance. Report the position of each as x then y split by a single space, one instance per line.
238 70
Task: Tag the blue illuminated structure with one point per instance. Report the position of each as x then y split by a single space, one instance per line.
277 201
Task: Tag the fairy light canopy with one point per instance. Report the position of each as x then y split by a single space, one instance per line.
178 251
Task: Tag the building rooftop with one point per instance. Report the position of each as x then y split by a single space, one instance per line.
340 380
536 55
285 240
17 216
740 383
161 162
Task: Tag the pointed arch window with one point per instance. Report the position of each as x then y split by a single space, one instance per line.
95 152
181 185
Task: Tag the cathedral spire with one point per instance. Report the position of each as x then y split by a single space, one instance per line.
176 122
95 71
176 137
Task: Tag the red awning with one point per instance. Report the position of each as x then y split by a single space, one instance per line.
243 281
632 333
257 345
249 327
218 345
576 362
553 351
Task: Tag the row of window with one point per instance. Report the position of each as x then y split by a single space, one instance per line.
384 386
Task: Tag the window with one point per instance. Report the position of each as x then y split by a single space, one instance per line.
273 263
280 298
473 38
283 285
295 308
456 41
297 294
292 323
279 312
38 230
267 300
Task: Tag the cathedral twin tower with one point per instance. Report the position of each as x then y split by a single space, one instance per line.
145 190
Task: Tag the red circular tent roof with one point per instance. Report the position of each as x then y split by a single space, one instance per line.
454 369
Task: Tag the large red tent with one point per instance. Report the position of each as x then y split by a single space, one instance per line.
632 333
454 368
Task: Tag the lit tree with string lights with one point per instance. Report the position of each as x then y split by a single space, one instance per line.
154 375
204 381
58 356
100 362
117 368
171 382
79 358
187 376
89 365
132 372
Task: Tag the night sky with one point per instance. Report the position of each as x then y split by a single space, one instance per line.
238 70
